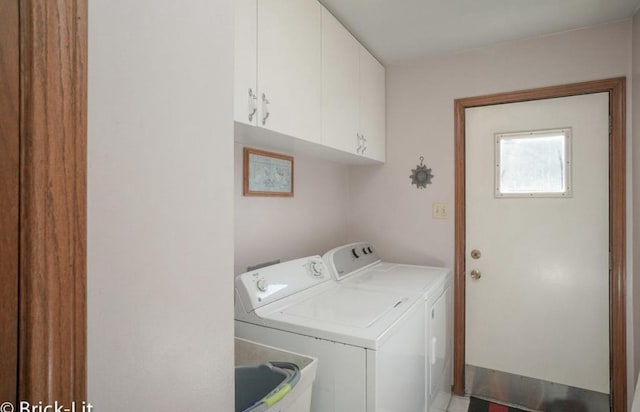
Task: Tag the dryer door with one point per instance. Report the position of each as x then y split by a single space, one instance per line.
439 339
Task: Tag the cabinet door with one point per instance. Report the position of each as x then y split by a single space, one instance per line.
372 105
340 72
245 94
289 67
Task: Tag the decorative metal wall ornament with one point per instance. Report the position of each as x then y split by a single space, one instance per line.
421 176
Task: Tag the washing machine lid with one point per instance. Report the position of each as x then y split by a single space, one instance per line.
346 306
341 313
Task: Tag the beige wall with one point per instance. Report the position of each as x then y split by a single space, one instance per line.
160 205
310 223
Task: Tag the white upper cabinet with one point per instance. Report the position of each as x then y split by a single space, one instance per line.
289 67
340 74
278 66
245 84
353 93
304 83
372 106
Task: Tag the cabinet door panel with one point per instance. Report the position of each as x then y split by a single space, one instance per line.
340 72
245 61
372 105
289 67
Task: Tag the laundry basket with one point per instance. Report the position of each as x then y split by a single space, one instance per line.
271 379
260 387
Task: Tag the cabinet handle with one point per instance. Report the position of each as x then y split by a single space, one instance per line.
364 144
253 103
265 108
359 143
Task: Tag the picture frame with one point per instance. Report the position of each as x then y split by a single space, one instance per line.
267 174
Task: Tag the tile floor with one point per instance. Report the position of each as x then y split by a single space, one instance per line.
458 404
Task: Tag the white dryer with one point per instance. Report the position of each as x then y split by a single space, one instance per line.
369 343
358 265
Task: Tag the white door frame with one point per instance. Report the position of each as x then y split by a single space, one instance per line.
616 88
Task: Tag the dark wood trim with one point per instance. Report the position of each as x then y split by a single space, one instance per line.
52 320
617 246
459 298
616 87
9 197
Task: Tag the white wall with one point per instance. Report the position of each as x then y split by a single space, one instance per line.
387 210
310 223
160 205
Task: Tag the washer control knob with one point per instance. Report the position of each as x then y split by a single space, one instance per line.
262 285
316 269
354 253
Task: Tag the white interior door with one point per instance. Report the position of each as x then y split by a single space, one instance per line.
541 304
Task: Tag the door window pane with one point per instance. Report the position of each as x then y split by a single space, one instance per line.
530 164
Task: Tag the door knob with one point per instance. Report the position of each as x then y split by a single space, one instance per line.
475 274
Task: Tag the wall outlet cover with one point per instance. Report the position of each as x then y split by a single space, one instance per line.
440 211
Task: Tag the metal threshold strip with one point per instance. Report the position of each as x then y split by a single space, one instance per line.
530 393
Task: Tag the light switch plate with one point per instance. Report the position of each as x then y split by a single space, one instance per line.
440 211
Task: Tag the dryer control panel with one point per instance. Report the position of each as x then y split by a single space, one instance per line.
345 260
259 287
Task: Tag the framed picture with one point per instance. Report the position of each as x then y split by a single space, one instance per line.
267 174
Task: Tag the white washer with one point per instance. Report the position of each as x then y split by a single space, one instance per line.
358 265
369 343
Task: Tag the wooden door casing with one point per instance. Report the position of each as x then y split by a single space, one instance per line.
52 360
43 64
9 196
616 87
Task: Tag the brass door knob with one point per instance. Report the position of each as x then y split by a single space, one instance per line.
475 274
